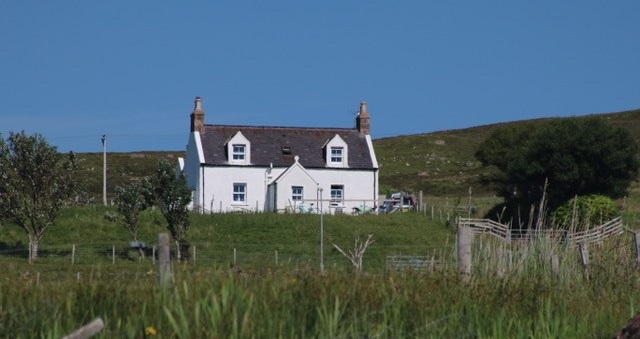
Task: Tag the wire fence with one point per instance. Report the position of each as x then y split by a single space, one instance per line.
226 255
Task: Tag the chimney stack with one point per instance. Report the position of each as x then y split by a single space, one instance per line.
197 117
363 124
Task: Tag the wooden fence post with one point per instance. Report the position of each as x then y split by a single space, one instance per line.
113 254
584 258
164 259
465 238
555 265
153 254
73 253
276 258
636 245
194 254
235 262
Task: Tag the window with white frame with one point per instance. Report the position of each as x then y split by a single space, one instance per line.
337 154
239 192
337 193
296 193
239 152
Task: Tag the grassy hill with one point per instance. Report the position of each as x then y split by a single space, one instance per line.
121 169
443 163
438 163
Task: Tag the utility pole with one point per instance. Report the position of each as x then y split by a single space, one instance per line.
104 169
321 234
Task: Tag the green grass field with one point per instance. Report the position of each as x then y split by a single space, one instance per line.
264 299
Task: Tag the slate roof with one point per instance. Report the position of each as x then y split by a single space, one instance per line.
267 145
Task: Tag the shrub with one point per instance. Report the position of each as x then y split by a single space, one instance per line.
589 210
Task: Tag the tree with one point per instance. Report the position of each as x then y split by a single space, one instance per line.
170 193
130 201
578 156
36 182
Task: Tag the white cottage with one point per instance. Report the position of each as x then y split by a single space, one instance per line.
278 169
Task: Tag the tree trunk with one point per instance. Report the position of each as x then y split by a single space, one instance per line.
34 249
178 254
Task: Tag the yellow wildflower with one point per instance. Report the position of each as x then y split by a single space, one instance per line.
150 330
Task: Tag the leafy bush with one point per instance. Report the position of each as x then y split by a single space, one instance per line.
590 210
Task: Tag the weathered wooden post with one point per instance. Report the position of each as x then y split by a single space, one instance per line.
584 259
276 258
113 254
87 331
465 238
73 254
636 245
555 265
153 254
235 258
504 262
164 259
194 254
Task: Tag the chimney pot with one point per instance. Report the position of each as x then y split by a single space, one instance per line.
197 116
363 121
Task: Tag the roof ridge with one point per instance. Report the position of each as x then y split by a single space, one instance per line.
281 127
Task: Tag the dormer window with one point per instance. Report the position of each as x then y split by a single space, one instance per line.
336 152
238 150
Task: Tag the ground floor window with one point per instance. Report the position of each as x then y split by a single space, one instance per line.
239 192
296 193
337 193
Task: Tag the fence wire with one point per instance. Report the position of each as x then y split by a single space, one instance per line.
222 255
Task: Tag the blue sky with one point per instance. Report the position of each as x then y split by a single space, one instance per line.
74 70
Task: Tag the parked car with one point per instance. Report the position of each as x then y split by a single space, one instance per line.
399 201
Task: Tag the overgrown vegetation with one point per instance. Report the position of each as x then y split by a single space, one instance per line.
557 160
583 212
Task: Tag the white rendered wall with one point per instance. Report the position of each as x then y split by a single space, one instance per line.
192 169
218 193
295 176
360 188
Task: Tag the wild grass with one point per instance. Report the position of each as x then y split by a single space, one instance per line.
514 295
303 303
